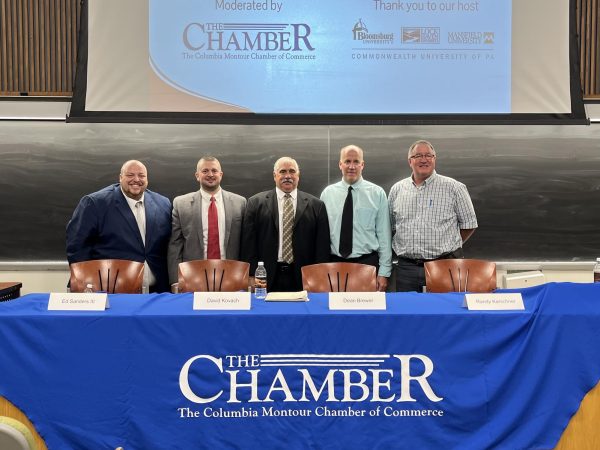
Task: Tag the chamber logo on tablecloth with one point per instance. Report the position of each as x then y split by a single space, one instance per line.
308 384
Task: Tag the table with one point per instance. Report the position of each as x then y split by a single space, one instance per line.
152 373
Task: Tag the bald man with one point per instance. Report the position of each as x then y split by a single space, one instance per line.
124 221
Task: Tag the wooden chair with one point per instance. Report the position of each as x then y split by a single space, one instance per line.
460 275
339 277
13 417
108 275
213 275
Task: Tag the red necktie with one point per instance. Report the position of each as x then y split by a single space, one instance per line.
213 250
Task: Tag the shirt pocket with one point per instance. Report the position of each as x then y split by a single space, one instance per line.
366 218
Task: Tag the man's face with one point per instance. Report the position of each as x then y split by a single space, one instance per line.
209 175
134 180
351 165
286 176
422 162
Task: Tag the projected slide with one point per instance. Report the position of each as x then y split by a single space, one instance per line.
336 56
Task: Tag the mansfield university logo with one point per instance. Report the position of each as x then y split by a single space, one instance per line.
244 385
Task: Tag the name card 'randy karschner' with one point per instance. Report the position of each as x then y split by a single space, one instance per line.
494 302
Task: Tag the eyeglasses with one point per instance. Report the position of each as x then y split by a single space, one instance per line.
427 156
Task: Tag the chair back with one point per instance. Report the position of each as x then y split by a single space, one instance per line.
460 275
213 275
339 277
14 435
118 276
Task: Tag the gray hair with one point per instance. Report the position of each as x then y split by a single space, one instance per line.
419 142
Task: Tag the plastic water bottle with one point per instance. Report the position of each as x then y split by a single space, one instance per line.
89 289
597 271
260 281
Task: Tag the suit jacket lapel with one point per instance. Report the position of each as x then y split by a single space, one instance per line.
150 209
123 208
301 204
227 207
273 208
196 211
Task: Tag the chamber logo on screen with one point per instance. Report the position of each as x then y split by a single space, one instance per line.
234 386
360 32
254 37
420 35
471 37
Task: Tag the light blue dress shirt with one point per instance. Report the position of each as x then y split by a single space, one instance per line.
371 225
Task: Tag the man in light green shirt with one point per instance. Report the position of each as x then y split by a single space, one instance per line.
359 218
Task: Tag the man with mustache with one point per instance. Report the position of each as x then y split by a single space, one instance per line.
359 219
286 229
207 224
124 221
432 216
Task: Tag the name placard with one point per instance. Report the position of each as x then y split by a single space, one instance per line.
77 301
222 300
494 302
357 300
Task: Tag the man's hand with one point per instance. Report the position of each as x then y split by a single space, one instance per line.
382 283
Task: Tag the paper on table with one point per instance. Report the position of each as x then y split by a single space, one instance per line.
301 296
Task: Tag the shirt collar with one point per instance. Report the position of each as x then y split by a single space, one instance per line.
131 202
356 185
207 195
427 181
281 194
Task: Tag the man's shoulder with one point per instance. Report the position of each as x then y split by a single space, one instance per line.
106 193
261 196
399 184
158 198
330 189
233 196
372 187
184 198
310 198
447 181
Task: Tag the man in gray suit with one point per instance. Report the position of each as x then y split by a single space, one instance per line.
207 224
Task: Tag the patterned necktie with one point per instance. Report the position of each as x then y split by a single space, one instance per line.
213 249
140 218
347 226
287 251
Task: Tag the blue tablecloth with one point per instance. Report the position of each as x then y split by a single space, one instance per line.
151 373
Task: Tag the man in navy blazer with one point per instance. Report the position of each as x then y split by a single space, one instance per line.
104 226
263 229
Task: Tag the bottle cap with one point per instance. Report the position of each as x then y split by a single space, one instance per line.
260 263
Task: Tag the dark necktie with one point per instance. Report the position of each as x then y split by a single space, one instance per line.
346 230
213 250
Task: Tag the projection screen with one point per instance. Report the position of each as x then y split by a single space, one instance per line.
336 60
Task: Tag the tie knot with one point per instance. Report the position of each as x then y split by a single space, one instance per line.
212 198
139 204
287 196
349 188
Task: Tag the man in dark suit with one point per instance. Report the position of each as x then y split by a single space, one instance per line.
124 221
286 229
192 236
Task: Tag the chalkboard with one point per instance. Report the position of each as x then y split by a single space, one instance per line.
536 189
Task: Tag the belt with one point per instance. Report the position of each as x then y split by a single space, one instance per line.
419 262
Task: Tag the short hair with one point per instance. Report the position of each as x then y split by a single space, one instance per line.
285 159
352 147
128 163
207 158
419 142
